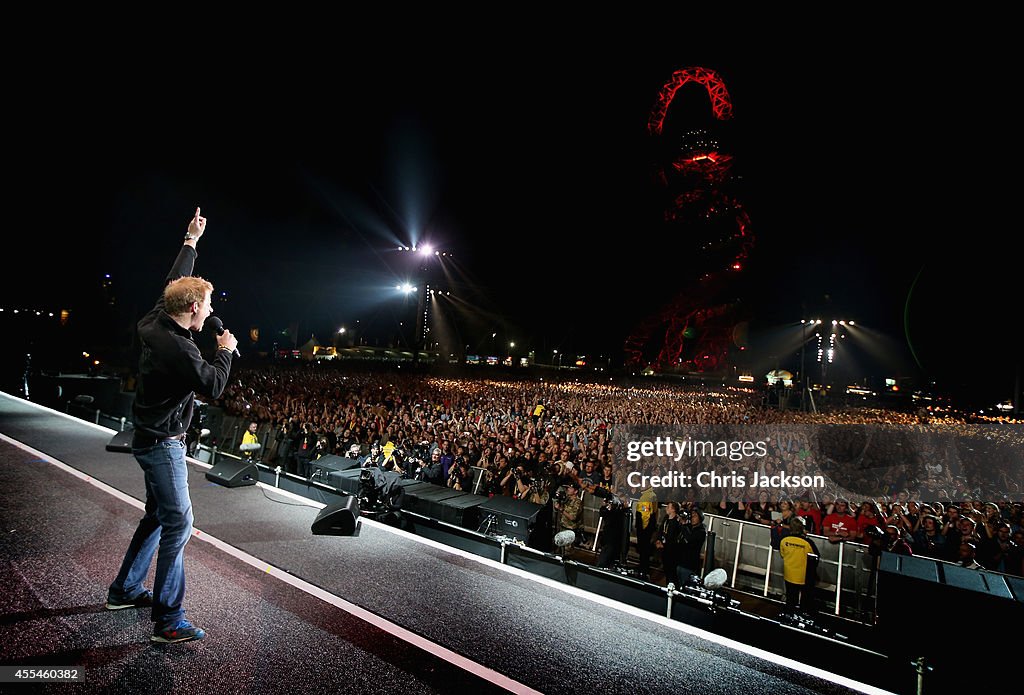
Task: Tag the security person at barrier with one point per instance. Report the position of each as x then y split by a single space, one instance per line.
250 442
646 526
799 565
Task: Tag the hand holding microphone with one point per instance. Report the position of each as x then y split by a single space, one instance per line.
224 337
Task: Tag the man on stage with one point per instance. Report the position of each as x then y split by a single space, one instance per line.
171 371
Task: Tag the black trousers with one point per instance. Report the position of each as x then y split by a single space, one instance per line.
644 546
799 596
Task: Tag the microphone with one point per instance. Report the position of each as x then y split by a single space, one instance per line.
218 326
564 538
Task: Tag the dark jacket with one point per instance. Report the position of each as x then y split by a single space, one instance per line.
691 541
171 369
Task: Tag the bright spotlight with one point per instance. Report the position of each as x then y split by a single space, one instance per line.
852 323
427 250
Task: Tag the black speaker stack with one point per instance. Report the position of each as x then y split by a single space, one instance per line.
504 516
323 467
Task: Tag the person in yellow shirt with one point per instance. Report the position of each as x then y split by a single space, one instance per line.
646 525
799 565
538 411
250 443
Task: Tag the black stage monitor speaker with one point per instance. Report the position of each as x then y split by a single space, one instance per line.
510 517
425 499
346 481
337 519
231 473
910 588
121 442
331 463
463 510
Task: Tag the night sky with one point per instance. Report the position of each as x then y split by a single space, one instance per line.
535 170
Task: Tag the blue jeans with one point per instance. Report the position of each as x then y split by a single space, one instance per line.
167 525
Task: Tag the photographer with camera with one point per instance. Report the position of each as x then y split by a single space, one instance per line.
668 542
461 477
614 531
431 470
691 542
380 492
376 455
307 441
570 508
540 488
523 484
287 439
393 459
500 483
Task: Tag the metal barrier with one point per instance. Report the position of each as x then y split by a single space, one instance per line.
744 550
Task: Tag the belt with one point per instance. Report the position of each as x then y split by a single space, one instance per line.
141 441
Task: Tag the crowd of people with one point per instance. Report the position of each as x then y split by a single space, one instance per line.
915 479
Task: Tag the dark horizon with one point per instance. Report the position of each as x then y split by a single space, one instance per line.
541 182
